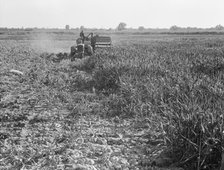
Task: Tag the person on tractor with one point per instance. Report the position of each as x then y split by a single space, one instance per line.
92 40
82 36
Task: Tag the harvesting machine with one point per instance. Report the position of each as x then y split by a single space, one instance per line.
86 45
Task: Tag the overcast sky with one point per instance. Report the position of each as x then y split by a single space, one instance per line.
109 13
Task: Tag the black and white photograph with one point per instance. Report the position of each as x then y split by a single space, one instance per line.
111 85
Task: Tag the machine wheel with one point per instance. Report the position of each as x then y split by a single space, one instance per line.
73 50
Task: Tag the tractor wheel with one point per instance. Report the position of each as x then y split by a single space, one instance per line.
73 50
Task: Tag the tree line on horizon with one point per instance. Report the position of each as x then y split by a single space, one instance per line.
123 26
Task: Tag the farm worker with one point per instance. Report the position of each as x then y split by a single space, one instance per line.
93 42
82 36
79 41
90 49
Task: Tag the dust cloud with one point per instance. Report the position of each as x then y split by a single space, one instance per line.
47 42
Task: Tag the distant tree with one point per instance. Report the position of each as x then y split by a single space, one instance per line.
82 27
141 28
174 28
67 27
219 27
121 26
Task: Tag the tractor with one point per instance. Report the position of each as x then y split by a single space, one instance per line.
86 45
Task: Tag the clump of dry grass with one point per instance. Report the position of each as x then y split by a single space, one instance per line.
86 64
194 125
106 80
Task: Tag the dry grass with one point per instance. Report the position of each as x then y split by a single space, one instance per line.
132 106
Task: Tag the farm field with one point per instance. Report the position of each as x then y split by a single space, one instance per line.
152 101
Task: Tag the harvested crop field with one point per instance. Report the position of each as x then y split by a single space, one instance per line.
150 102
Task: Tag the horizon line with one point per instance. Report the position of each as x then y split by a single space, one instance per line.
128 28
